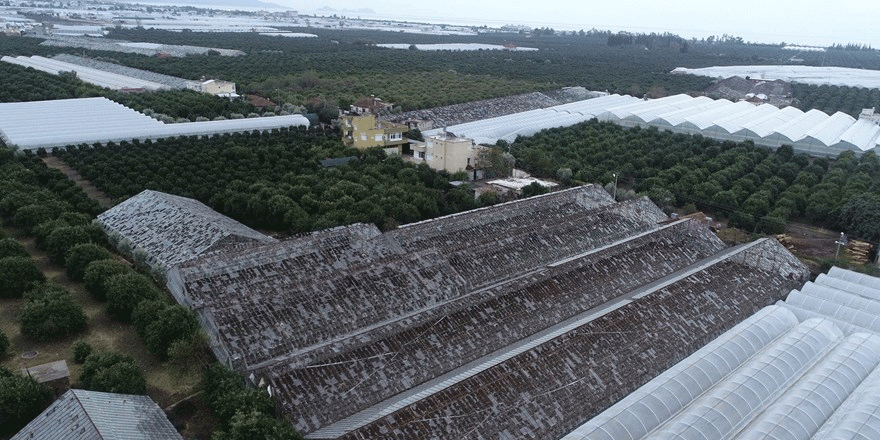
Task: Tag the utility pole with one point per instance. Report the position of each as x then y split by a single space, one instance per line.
840 242
615 186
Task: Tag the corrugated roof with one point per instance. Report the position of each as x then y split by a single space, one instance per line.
93 415
173 229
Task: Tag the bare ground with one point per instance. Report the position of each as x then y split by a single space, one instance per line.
91 190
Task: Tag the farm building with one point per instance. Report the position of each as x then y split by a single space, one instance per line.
806 368
521 320
82 415
170 229
814 132
100 120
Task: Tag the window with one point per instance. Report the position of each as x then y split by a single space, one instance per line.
421 154
363 136
378 138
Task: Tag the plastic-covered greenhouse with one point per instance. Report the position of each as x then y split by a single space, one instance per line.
97 77
92 120
490 131
806 368
813 132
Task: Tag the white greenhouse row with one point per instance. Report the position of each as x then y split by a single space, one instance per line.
818 75
806 368
812 132
490 131
97 77
47 124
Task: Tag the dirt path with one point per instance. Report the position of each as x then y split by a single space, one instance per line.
91 190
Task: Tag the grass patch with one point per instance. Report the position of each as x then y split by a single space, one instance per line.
167 383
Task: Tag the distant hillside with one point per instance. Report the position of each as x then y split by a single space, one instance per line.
219 4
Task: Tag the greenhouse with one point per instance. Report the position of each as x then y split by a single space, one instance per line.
100 120
806 368
814 132
507 128
97 77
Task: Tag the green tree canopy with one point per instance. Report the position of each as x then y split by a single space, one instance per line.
79 256
125 291
22 398
10 247
161 324
50 313
112 373
97 274
17 276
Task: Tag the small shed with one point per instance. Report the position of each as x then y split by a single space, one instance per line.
55 374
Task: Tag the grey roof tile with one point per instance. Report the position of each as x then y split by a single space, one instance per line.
173 229
93 415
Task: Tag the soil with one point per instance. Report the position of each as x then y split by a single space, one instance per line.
91 190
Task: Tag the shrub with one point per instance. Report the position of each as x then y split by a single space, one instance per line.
161 324
79 256
10 247
255 425
28 217
226 394
51 313
534 189
192 351
112 373
125 291
81 351
98 272
41 232
18 275
63 239
22 399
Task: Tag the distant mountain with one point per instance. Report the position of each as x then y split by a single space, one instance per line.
215 4
327 9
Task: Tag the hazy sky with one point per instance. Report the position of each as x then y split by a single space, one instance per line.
772 21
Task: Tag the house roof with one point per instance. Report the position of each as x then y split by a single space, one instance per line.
93 415
173 229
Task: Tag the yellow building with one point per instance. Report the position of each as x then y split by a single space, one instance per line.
366 131
447 152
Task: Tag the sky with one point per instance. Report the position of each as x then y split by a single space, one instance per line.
806 22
